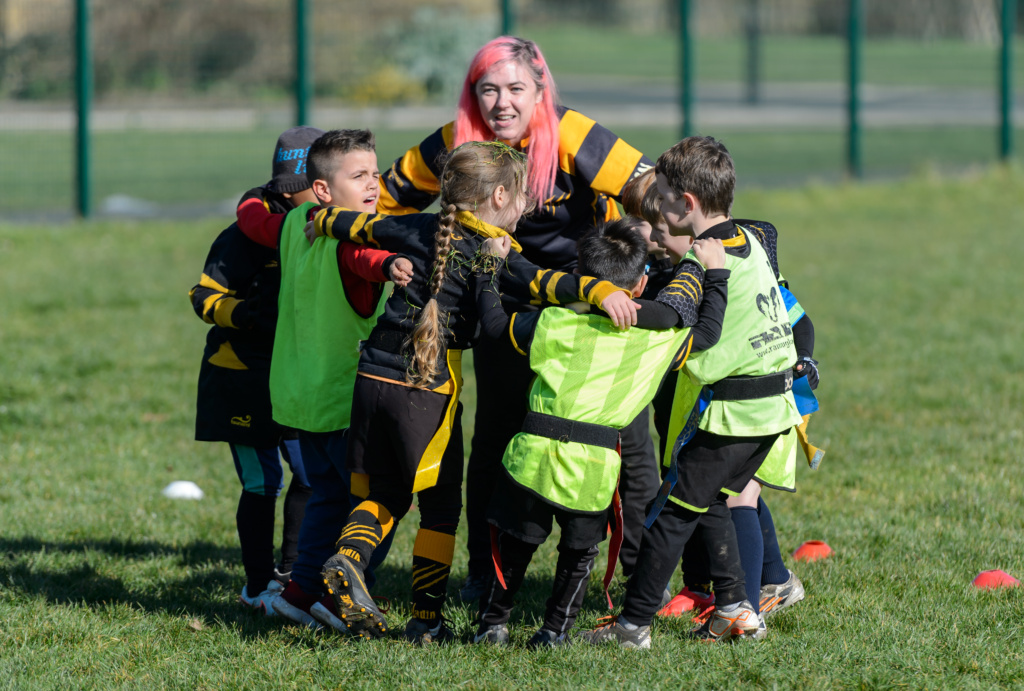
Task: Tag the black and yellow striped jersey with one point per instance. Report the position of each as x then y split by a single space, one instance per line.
413 235
593 166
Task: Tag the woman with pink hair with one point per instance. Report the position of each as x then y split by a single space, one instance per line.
576 169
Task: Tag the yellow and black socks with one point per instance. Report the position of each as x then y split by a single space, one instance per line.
368 524
431 566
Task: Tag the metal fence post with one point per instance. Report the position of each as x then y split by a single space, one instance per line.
508 18
303 64
686 67
854 39
83 105
753 26
1006 80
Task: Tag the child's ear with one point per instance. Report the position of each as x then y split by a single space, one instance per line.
691 202
640 286
322 192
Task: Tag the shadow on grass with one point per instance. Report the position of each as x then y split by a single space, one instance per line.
195 583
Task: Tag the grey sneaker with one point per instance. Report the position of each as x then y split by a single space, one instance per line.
495 634
614 632
546 638
263 601
356 608
420 633
475 586
741 622
776 597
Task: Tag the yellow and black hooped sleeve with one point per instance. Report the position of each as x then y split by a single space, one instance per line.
411 184
597 155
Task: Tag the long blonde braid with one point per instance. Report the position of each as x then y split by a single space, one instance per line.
428 341
472 173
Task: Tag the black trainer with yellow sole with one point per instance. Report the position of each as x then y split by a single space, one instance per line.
356 608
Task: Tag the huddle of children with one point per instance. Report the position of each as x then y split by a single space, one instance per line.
359 390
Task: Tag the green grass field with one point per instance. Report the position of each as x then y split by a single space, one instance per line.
913 287
180 171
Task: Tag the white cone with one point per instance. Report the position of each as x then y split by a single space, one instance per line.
183 489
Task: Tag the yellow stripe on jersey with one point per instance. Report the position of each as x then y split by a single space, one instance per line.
535 287
207 282
225 357
737 241
418 172
572 130
512 334
616 169
552 284
448 134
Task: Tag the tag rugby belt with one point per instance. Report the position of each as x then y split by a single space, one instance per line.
562 429
750 388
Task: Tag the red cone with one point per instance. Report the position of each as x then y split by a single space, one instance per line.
812 550
995 579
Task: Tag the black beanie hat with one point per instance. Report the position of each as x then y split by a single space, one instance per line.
290 159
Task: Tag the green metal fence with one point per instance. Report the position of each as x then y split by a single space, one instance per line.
148 108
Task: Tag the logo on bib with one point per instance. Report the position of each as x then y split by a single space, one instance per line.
768 305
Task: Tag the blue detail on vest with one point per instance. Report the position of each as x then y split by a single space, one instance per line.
672 476
806 401
789 300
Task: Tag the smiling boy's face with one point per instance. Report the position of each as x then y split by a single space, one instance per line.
355 184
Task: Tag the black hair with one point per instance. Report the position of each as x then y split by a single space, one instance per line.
614 252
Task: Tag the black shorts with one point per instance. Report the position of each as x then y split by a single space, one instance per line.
524 516
234 406
391 427
712 463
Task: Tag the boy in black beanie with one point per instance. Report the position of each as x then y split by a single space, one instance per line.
237 295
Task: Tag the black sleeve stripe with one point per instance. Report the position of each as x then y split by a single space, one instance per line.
594 150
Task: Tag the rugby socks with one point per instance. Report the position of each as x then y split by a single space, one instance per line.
294 510
431 566
368 524
571 575
496 605
774 570
255 521
751 547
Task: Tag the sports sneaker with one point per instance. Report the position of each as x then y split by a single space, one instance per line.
546 638
475 586
264 600
326 613
419 632
613 631
776 597
294 604
495 634
281 575
686 601
355 606
722 626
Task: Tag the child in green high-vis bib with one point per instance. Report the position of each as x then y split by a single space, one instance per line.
749 374
591 380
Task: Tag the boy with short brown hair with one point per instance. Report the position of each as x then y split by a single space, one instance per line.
749 377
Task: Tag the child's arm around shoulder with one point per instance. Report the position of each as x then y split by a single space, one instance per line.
527 282
494 322
256 219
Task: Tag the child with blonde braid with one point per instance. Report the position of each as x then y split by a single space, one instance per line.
406 434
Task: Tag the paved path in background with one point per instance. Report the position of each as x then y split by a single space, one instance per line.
612 102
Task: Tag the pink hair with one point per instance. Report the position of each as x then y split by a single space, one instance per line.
542 154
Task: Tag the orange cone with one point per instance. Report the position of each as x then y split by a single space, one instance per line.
995 579
812 550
